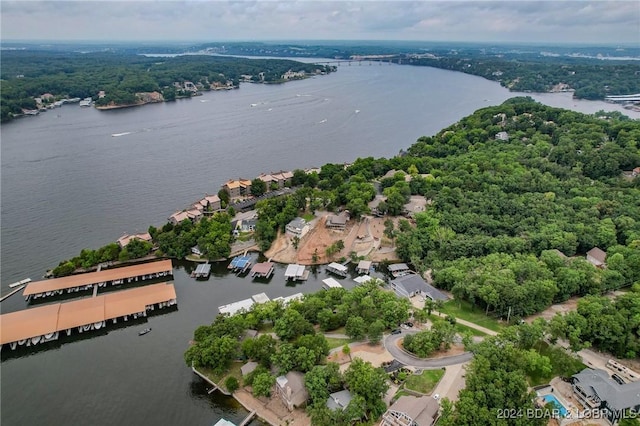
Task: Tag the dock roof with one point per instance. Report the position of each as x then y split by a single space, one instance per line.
364 264
294 271
331 283
338 267
240 261
398 267
262 268
37 287
47 319
235 307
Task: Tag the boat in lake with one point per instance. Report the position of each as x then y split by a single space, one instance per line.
145 331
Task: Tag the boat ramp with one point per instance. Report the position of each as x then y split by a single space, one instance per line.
103 278
203 270
42 324
240 264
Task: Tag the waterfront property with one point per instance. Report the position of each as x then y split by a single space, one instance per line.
240 264
237 188
116 276
262 270
337 222
243 305
412 285
30 327
596 390
203 270
411 410
298 227
291 389
399 269
126 238
338 269
295 272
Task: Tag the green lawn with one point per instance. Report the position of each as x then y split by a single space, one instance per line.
219 379
466 311
308 217
425 382
563 364
337 343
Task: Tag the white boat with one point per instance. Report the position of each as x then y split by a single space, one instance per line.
115 135
145 331
86 102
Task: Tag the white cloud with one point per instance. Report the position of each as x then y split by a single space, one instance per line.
532 21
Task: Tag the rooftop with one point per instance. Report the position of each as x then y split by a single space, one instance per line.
294 271
414 283
339 400
331 283
422 410
262 268
597 382
37 287
338 267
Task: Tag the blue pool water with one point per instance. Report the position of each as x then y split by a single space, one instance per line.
552 399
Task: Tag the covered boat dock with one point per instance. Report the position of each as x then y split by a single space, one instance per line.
262 270
240 264
329 283
338 269
296 272
80 282
243 305
203 270
29 327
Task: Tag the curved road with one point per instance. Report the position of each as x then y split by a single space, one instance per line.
391 344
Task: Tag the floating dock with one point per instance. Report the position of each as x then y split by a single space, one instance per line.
286 300
203 270
296 272
81 282
240 264
262 270
23 282
363 279
338 269
329 283
30 327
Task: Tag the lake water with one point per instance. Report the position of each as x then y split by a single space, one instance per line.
76 178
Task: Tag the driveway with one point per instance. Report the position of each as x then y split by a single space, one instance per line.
391 344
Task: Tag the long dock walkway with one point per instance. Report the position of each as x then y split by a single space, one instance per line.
14 291
30 327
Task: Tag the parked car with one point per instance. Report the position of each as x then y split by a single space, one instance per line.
408 324
396 331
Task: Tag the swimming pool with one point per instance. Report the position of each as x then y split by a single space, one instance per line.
552 399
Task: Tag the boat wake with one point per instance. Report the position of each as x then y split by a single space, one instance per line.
117 135
322 121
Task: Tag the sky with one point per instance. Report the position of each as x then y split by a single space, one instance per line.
566 21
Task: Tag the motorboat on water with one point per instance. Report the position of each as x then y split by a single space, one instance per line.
145 331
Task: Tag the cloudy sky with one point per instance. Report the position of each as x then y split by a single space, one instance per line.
566 21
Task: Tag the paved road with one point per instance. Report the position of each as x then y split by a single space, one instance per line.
390 343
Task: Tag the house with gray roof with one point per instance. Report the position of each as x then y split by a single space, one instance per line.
411 411
597 257
413 285
339 400
298 227
291 389
596 390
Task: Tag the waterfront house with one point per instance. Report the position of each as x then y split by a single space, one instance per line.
597 391
339 400
291 390
337 222
268 180
194 214
126 238
411 410
178 217
283 178
211 203
298 227
597 257
237 188
413 285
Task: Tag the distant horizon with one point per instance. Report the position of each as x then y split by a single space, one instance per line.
315 42
583 22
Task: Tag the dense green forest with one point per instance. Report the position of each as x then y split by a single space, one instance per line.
66 74
587 70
